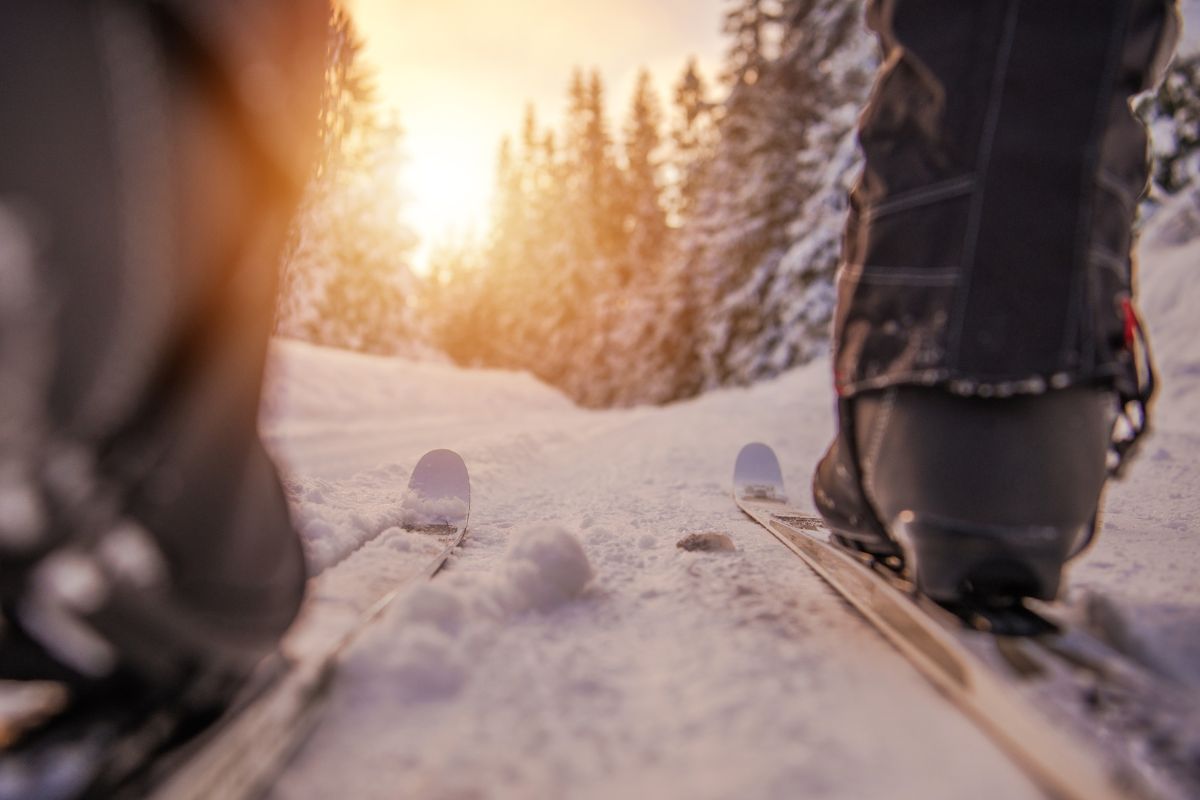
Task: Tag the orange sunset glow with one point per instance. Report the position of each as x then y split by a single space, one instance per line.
460 72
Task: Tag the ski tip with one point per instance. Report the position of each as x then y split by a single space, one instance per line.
439 474
752 448
757 475
441 456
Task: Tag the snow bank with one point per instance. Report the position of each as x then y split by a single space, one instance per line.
1169 294
336 518
320 404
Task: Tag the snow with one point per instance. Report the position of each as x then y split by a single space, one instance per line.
574 649
1189 39
422 511
424 651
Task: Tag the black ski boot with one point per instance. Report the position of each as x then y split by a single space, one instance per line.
983 498
148 564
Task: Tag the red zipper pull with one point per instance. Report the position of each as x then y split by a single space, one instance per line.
1131 323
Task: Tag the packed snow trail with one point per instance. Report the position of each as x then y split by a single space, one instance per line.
572 650
672 673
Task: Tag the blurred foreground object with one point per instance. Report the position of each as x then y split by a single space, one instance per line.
150 158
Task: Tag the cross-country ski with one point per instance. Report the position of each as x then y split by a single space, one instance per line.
1024 674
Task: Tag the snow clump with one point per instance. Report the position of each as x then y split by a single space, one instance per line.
545 567
421 511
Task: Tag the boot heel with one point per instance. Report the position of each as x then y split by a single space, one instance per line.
954 559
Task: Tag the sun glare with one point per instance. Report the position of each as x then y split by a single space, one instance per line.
460 72
444 195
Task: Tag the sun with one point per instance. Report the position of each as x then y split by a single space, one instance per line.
445 188
459 74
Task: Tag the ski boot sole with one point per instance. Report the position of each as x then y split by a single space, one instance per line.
954 559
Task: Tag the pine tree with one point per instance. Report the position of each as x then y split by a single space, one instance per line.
505 253
577 189
512 209
645 221
553 301
763 285
347 278
601 181
737 231
363 304
693 137
1173 115
826 65
452 298
347 119
748 24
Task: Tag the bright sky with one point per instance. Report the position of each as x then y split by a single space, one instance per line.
460 72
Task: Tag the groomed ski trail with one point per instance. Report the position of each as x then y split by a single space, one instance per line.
668 673
571 650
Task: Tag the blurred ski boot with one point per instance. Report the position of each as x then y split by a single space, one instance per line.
144 532
981 498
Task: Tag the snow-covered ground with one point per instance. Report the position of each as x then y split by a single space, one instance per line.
572 650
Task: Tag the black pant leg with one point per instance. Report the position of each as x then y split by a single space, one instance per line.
988 244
